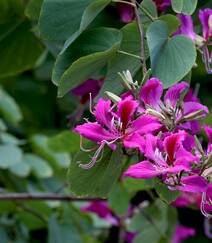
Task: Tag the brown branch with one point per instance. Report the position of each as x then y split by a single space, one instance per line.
13 196
141 34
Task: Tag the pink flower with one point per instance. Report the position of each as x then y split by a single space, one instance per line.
90 86
186 28
171 160
193 183
208 131
151 93
101 209
182 233
162 5
126 12
112 125
205 17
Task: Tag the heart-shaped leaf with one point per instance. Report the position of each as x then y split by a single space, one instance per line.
98 180
171 57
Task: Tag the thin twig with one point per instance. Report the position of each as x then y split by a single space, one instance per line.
125 2
139 24
129 54
41 196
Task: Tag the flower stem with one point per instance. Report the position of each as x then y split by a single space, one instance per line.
141 34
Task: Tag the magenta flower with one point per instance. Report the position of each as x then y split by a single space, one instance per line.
192 183
126 12
186 27
101 209
171 160
182 233
208 131
113 125
171 113
205 17
162 5
90 86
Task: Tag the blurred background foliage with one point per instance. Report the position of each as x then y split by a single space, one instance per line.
35 145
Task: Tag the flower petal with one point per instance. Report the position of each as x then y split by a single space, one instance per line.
172 143
190 107
205 16
151 93
174 92
126 109
94 132
182 233
186 27
208 131
126 12
146 124
134 140
102 112
150 146
142 170
193 183
89 86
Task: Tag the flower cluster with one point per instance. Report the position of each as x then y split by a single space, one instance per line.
161 128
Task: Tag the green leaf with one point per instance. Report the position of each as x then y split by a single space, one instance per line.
10 155
4 235
147 235
40 146
138 185
10 9
154 223
98 180
88 16
119 199
171 58
3 127
66 233
120 62
19 48
165 194
39 167
7 138
56 26
149 7
172 22
21 169
184 6
9 109
33 9
65 141
87 55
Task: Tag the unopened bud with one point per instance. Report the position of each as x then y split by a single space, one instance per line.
199 146
128 80
193 116
199 40
113 97
208 173
155 113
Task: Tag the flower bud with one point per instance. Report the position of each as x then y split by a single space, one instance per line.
113 97
193 116
128 80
